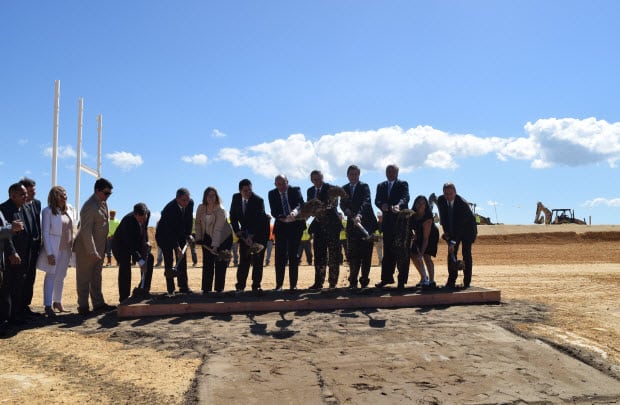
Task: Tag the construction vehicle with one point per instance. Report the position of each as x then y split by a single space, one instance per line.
555 216
480 220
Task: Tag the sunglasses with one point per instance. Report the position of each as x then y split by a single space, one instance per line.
107 193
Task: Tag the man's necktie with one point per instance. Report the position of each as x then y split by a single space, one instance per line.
352 189
285 208
316 192
244 205
389 188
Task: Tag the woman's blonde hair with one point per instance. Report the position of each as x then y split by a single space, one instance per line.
52 200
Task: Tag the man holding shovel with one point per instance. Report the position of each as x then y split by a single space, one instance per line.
173 231
130 243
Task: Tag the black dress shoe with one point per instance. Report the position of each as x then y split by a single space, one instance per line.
30 313
104 308
315 286
83 311
401 286
382 284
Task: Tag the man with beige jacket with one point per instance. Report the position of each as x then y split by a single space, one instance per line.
90 247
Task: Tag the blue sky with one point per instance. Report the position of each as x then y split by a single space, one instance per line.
514 102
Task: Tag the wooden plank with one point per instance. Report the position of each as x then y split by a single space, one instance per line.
310 301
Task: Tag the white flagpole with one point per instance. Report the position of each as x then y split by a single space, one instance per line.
55 132
99 132
78 165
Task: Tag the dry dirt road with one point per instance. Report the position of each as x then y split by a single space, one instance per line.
553 339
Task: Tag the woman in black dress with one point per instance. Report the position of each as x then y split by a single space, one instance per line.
424 242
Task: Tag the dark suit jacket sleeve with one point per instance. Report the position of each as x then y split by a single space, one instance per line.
381 195
403 194
274 203
127 238
235 212
295 199
169 230
255 215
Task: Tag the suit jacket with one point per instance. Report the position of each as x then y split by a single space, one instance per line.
359 204
253 221
463 225
51 233
93 228
295 201
331 222
398 196
131 238
6 231
20 242
175 225
218 230
32 211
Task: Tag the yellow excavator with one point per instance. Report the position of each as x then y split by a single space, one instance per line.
555 216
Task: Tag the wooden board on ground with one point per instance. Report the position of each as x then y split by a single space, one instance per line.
301 300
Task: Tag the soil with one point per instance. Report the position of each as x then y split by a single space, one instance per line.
555 338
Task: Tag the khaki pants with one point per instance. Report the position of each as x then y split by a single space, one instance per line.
88 278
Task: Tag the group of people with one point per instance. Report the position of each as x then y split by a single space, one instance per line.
32 238
409 235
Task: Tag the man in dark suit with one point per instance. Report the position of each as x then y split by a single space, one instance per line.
173 231
459 229
130 243
251 225
32 217
7 230
285 202
325 230
359 212
17 251
392 196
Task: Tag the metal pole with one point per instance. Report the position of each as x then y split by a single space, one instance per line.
78 165
55 132
99 132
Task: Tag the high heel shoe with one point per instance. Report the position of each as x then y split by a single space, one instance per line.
58 307
50 312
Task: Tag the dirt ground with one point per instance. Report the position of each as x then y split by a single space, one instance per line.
555 338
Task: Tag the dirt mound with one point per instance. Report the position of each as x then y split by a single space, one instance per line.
549 238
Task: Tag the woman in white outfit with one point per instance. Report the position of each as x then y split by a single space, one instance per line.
57 233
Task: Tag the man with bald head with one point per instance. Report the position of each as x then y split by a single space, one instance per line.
285 202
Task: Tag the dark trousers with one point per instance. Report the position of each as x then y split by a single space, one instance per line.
245 261
212 267
392 260
124 274
327 253
12 293
360 258
31 273
287 247
305 247
467 261
169 257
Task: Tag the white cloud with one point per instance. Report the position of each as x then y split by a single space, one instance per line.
418 147
125 160
610 202
549 142
218 134
566 141
198 159
64 152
